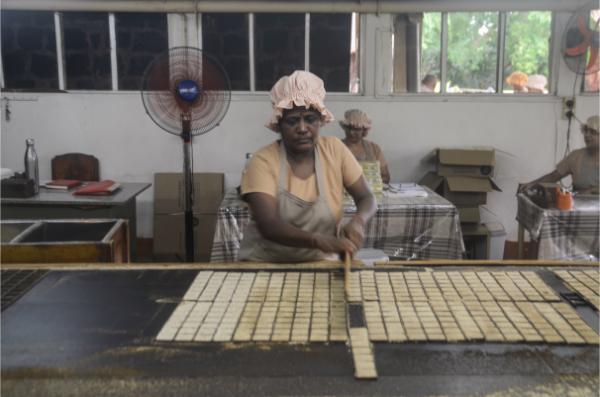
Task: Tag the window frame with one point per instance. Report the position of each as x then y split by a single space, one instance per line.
500 50
61 66
501 40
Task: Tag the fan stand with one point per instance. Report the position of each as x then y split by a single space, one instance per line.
186 92
186 136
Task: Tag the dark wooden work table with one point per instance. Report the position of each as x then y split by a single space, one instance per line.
61 204
92 332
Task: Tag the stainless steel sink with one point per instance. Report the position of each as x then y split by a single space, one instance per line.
64 241
11 230
48 232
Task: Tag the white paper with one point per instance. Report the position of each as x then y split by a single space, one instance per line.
404 190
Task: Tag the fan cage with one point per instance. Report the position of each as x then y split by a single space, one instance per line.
162 102
584 63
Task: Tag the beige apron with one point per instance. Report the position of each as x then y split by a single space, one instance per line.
311 217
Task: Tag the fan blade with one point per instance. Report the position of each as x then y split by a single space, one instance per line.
583 28
578 50
592 65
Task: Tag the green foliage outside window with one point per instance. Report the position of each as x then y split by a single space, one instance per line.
473 47
431 44
528 42
472 51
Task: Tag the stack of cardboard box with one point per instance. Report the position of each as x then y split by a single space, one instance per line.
169 226
464 177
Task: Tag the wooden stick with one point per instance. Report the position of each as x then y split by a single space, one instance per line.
347 271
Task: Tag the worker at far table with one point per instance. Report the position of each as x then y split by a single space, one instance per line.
356 125
295 186
582 164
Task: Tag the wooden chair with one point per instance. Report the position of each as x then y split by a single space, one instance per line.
80 166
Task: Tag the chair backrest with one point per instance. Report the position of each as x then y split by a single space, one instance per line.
80 166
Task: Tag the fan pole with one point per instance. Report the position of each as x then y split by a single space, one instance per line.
188 186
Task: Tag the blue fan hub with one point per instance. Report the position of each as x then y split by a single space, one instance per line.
188 90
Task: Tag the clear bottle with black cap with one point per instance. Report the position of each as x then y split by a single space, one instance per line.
31 165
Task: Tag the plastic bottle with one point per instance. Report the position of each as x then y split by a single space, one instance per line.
31 165
248 158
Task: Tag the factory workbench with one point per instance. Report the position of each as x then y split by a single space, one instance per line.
85 330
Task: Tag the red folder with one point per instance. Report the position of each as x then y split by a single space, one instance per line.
98 188
62 184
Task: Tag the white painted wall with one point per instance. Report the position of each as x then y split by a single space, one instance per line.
528 133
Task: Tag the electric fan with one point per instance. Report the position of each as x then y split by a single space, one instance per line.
581 36
186 92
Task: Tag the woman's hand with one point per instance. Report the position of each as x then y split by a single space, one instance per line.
333 244
354 231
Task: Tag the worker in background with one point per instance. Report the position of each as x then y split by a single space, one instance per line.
428 83
582 164
356 124
536 84
518 81
295 185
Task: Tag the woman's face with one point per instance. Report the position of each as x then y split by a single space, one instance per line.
354 134
299 128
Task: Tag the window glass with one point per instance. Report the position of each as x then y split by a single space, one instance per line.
330 36
472 52
592 76
431 45
406 48
141 37
29 50
87 50
278 47
225 36
416 52
527 52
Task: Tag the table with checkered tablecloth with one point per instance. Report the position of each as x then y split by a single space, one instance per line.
565 235
404 227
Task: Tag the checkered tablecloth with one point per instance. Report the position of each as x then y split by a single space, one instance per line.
406 227
566 235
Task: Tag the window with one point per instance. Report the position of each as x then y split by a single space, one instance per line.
472 52
29 50
592 77
405 52
527 50
326 44
430 52
281 45
225 36
141 37
278 46
87 50
330 49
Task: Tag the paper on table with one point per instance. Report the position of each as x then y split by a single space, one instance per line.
404 190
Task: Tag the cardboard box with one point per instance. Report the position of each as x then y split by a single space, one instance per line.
469 214
169 192
169 235
466 162
462 191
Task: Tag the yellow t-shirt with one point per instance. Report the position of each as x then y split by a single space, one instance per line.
339 167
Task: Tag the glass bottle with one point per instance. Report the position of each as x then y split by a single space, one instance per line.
31 165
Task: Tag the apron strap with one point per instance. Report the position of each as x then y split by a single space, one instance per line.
370 156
